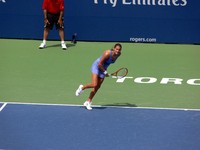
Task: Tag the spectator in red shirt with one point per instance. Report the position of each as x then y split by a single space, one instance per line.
53 15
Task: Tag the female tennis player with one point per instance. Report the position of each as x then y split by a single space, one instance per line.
99 72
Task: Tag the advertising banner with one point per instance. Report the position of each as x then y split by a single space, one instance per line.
157 21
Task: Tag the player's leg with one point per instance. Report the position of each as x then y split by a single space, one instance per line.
95 89
61 34
60 28
47 27
88 103
46 33
45 36
93 83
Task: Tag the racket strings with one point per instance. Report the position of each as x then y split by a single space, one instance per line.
121 73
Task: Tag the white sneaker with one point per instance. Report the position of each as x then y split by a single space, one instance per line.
79 90
88 105
64 47
42 45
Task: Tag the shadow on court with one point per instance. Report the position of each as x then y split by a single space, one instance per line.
94 107
58 45
112 105
122 105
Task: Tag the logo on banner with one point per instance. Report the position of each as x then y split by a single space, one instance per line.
114 3
3 1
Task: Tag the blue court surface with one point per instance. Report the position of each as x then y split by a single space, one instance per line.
62 127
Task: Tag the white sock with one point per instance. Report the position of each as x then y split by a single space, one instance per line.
44 41
62 42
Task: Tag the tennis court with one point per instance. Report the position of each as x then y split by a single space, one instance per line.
155 107
33 126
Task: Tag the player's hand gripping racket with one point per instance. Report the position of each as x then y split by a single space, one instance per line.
122 72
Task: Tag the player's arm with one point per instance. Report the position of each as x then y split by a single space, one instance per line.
45 13
45 18
104 57
60 21
44 8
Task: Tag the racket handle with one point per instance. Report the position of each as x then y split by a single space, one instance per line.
105 72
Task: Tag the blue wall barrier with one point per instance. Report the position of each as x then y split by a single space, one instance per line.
161 21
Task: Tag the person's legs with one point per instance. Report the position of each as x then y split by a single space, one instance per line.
60 28
62 35
53 20
93 84
96 84
45 36
47 27
46 33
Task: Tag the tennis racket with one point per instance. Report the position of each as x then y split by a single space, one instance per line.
120 73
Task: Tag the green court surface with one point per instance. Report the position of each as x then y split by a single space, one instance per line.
52 75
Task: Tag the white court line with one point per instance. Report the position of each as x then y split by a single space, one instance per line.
153 108
2 107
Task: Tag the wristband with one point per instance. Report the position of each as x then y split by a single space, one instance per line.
105 72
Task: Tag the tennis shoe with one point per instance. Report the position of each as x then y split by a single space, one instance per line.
88 105
42 45
64 47
79 90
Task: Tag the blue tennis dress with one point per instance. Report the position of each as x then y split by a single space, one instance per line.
95 69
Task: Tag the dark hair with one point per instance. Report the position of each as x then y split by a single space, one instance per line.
118 44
